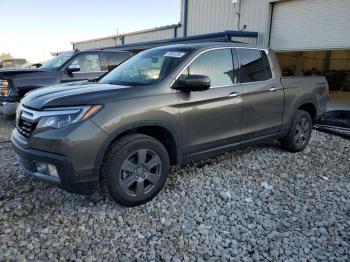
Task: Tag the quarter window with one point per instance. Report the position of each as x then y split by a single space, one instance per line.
268 71
255 66
216 64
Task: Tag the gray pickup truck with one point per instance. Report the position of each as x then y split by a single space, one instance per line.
165 106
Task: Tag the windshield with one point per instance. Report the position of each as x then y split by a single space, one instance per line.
57 61
147 68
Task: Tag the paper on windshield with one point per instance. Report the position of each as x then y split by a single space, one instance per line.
174 54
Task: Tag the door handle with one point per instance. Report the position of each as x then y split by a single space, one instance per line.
273 89
234 95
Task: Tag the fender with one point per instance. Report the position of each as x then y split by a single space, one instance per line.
306 99
132 126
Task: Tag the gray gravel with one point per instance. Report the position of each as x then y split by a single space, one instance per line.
257 203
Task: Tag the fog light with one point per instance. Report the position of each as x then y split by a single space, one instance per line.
46 169
53 170
42 168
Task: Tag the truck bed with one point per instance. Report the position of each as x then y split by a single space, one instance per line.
312 89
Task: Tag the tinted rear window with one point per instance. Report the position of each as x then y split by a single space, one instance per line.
254 66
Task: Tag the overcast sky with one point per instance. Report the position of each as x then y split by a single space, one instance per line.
32 29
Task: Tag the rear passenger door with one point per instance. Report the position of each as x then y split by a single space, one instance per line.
211 119
263 95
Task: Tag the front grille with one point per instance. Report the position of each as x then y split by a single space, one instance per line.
25 127
25 122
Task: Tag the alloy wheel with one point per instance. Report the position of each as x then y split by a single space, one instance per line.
302 131
140 172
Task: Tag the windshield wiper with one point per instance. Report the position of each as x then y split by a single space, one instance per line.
127 83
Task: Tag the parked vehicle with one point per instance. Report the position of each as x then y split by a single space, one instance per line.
12 63
165 106
336 122
66 67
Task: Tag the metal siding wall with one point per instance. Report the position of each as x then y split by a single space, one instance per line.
99 43
209 16
311 25
161 34
180 31
248 40
255 15
149 36
118 41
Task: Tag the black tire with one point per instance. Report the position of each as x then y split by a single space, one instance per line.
124 175
299 133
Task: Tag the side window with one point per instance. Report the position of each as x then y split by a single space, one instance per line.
268 70
254 67
88 63
216 64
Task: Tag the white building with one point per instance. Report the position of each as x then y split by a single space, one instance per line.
310 36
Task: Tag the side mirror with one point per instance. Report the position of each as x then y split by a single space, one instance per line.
193 83
72 68
37 65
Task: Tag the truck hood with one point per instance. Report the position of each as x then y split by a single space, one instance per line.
28 79
21 71
74 94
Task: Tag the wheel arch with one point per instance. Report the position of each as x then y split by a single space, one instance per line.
308 104
161 131
310 108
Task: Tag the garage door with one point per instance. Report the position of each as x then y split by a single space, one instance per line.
310 25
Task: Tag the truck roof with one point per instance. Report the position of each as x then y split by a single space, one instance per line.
93 51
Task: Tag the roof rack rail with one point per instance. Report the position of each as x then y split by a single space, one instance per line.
226 36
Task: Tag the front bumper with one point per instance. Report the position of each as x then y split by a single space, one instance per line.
68 178
8 108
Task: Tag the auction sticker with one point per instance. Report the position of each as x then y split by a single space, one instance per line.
174 54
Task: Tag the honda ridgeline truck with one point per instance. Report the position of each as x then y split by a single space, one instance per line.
66 67
165 106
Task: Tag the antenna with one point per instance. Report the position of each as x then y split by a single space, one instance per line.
116 29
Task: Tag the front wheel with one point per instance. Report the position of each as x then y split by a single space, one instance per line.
299 133
135 169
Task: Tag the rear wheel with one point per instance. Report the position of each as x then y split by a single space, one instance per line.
135 169
299 133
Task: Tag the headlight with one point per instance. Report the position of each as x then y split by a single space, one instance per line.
61 117
4 88
4 91
4 83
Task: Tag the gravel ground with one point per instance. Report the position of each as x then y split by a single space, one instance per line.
257 203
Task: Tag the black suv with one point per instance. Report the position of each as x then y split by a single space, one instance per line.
66 67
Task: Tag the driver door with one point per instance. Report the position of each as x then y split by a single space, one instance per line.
90 67
212 120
